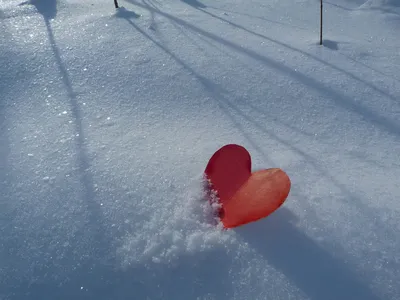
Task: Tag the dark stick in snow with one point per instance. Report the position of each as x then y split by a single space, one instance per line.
320 30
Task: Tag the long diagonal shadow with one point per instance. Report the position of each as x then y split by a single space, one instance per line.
234 113
328 92
205 82
48 10
217 93
194 3
372 86
328 272
257 17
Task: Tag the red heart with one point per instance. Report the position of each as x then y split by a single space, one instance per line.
244 196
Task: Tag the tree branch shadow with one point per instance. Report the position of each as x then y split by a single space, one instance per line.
371 68
56 271
210 87
194 3
83 161
130 283
257 17
228 106
95 228
237 115
339 274
47 8
339 6
390 126
329 44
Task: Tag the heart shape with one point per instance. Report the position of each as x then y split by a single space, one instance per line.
244 196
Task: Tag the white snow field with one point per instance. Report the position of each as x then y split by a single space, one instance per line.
108 118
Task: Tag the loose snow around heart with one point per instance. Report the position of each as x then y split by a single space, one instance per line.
109 116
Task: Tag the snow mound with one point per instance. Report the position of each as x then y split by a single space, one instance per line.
192 229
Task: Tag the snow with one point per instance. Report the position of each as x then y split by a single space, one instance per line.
108 118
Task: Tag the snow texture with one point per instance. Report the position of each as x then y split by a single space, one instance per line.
108 118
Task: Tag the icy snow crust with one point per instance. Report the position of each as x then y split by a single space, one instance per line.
108 118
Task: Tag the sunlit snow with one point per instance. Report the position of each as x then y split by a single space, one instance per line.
108 118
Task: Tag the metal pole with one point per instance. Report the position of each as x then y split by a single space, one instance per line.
116 3
320 30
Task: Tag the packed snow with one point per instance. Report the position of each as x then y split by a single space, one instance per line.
109 116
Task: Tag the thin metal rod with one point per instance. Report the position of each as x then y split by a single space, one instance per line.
320 30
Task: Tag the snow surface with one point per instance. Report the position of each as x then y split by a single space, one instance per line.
108 118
